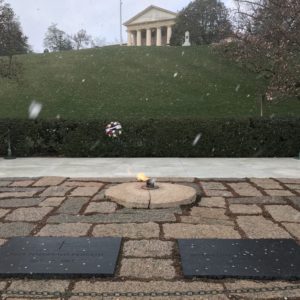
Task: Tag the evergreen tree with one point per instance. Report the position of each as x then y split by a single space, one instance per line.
206 20
12 39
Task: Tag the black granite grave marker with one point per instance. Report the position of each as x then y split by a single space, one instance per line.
252 259
59 257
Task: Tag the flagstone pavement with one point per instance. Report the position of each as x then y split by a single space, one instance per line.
149 261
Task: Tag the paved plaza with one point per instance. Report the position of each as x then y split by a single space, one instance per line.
149 261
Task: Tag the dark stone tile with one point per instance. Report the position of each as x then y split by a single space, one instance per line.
243 259
59 257
73 205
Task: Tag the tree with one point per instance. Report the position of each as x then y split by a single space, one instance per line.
57 40
81 38
12 39
268 35
206 20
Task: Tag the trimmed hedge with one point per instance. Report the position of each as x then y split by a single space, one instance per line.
154 138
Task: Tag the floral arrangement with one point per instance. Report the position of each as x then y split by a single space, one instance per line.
113 129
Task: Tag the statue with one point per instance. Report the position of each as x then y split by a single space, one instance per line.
187 41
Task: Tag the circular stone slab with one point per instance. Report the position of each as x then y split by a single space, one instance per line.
131 195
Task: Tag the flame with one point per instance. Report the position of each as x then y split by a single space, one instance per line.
142 177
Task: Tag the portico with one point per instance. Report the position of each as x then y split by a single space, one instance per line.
151 27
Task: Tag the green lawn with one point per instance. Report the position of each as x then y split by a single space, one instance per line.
116 82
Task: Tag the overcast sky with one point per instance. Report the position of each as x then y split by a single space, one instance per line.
99 17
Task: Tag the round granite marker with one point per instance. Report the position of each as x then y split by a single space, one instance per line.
132 195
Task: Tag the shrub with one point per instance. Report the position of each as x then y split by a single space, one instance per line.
154 138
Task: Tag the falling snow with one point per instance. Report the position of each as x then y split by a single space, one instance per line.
34 110
197 139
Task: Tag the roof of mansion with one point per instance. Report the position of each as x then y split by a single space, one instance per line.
149 15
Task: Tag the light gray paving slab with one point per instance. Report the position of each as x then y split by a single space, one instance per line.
154 167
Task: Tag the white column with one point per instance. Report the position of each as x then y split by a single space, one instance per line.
139 38
158 36
133 38
148 38
169 34
129 38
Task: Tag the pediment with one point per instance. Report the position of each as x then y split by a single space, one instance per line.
151 14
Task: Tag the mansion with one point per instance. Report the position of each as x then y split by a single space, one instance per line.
151 27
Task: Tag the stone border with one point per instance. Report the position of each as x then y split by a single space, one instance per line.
131 195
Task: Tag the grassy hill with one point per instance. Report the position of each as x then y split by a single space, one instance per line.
116 82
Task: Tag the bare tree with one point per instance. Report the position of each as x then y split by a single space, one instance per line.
81 38
57 40
98 42
268 42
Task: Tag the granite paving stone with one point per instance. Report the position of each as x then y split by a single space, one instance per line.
113 218
245 209
2 242
293 186
208 221
289 180
8 230
50 181
257 200
148 286
56 191
152 268
3 212
148 248
101 207
20 202
279 193
218 193
83 184
100 196
213 202
39 285
2 285
266 183
27 194
85 191
210 213
130 230
295 201
20 189
182 231
257 227
53 201
283 213
71 229
73 205
213 186
28 214
245 189
293 228
23 183
243 284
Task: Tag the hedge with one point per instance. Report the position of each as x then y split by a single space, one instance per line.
154 138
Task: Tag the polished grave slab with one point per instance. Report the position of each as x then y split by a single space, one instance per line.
59 257
242 259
